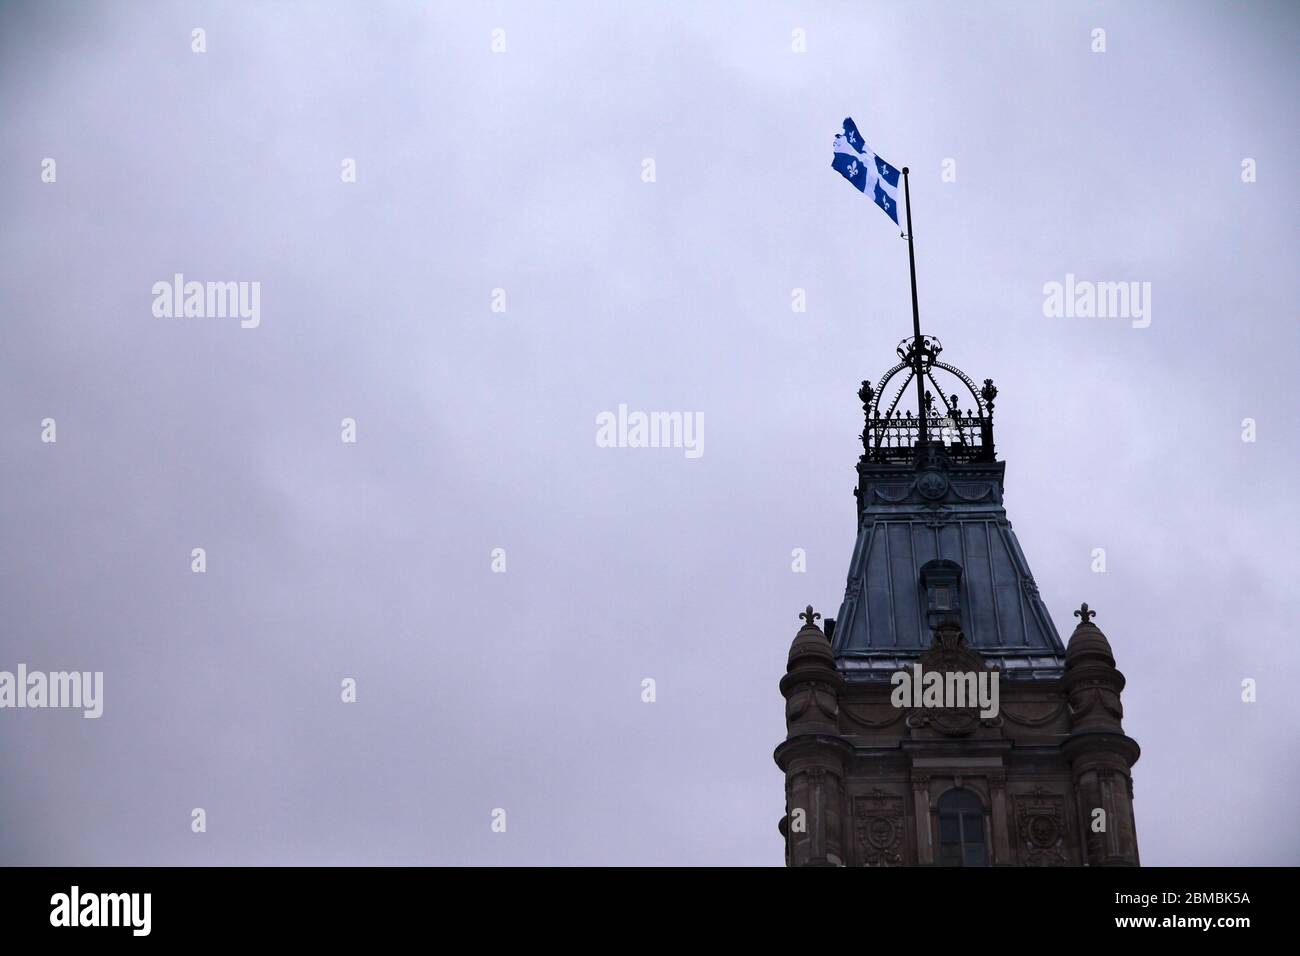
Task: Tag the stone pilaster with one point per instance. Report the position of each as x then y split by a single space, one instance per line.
924 836
998 808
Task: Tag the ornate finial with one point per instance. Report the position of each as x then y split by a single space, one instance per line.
810 616
1084 615
927 345
867 393
929 400
989 392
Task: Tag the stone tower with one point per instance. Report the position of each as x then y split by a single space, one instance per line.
939 720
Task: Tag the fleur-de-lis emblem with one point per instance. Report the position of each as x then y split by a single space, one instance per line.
810 616
1084 615
853 169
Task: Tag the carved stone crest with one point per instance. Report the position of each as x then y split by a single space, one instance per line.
948 654
878 826
1040 822
932 484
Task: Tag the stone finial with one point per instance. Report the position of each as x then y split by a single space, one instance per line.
1084 615
811 646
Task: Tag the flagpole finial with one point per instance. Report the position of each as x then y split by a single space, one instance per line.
904 170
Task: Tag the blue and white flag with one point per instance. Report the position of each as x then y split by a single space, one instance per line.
865 170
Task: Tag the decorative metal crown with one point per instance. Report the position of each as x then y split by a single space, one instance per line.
930 347
892 434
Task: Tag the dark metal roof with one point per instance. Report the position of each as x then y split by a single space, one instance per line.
932 509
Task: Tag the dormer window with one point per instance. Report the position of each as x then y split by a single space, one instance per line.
941 585
941 598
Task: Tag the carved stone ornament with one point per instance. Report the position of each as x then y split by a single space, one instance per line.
932 484
948 654
1040 824
819 695
951 722
1092 694
878 825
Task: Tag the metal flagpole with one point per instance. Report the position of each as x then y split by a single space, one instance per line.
916 314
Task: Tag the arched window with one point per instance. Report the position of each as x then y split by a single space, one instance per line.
961 830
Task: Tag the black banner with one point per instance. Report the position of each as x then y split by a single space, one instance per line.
93 905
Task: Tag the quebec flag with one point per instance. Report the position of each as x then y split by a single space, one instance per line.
864 169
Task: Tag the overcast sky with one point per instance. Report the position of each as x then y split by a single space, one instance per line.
523 170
